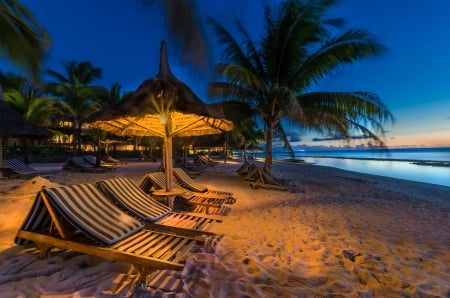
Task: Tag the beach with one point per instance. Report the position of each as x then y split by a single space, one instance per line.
337 234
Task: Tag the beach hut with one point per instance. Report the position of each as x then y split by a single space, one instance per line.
13 125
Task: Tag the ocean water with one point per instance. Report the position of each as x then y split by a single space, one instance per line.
396 163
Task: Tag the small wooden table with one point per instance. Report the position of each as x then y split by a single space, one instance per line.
169 195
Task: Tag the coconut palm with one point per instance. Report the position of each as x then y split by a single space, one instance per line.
298 49
27 101
185 28
111 97
23 41
79 96
30 103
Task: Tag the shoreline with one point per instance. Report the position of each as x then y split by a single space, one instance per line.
419 162
341 233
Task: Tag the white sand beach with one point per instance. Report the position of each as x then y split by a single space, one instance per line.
341 234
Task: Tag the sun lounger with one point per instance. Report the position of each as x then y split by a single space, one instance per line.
187 182
157 181
82 219
253 173
204 161
78 163
243 170
130 197
92 160
16 168
260 179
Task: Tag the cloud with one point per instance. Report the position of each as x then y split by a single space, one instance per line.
339 138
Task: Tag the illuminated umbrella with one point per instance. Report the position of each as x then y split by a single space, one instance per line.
162 106
13 125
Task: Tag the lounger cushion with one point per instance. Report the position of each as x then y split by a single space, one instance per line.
86 209
129 196
181 175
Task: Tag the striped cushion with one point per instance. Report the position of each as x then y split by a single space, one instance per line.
159 180
180 174
129 196
189 183
37 219
87 209
19 167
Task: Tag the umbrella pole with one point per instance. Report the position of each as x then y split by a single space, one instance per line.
168 162
1 151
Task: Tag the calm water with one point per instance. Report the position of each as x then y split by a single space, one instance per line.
394 163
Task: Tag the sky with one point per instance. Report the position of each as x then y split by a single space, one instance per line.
412 78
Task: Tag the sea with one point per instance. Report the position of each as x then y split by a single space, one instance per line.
429 165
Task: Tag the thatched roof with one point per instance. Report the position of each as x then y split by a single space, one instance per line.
143 112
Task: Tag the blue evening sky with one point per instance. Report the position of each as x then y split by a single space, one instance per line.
412 78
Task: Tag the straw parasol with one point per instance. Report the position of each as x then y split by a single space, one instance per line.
13 125
162 106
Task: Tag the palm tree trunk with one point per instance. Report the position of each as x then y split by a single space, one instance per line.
269 141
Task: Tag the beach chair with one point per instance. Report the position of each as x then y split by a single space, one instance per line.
253 173
78 163
187 182
260 179
80 218
201 160
16 168
243 169
92 160
131 198
157 181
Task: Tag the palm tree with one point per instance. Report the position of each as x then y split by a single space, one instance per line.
22 39
79 97
111 97
297 50
27 100
30 103
185 28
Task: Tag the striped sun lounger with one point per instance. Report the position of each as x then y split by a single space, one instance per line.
82 219
212 205
187 182
16 168
130 197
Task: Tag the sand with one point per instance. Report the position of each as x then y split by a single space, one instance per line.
340 234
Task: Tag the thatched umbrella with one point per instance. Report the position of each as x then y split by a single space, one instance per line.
14 125
162 106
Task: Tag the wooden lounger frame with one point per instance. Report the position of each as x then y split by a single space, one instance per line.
185 181
189 196
146 250
260 179
125 193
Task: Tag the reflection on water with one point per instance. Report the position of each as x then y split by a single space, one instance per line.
395 169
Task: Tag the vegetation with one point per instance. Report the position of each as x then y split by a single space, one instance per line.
273 77
276 75
22 39
79 98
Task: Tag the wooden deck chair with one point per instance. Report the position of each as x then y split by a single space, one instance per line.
187 182
16 168
243 169
157 180
80 218
201 160
78 163
254 173
264 180
130 197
